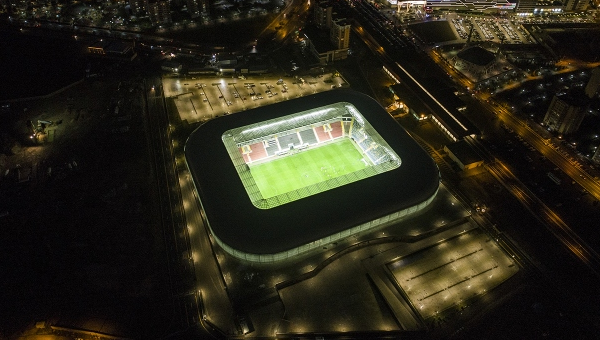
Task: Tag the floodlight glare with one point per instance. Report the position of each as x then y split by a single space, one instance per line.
302 154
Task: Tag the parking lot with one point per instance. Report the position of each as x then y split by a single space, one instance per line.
491 29
205 98
452 272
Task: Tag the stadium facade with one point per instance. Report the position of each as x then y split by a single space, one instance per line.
279 181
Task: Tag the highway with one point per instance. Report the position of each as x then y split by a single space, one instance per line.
288 20
577 246
215 308
566 163
562 160
549 218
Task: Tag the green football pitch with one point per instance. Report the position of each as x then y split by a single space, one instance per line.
307 167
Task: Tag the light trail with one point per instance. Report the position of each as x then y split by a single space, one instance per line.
573 242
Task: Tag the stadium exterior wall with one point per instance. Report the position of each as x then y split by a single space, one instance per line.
286 231
294 252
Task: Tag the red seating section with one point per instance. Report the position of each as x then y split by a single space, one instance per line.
321 134
259 152
336 129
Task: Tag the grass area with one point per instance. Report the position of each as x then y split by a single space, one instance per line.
307 167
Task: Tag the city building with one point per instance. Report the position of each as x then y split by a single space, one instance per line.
340 34
227 64
593 85
264 201
476 60
98 47
159 11
322 14
576 5
324 51
539 7
463 155
171 66
566 112
455 5
197 7
450 121
21 4
137 6
318 42
330 42
113 49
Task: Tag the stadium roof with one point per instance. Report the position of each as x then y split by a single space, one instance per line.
238 223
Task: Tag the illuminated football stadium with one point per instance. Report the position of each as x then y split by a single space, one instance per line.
278 181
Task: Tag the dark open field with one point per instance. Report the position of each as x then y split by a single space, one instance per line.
35 65
434 31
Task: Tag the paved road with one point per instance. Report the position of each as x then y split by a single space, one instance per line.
211 287
563 161
575 244
181 269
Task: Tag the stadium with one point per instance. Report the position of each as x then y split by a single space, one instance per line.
278 181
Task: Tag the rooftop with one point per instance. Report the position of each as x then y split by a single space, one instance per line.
477 55
237 222
463 152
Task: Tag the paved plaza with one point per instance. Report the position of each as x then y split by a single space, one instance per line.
452 272
342 296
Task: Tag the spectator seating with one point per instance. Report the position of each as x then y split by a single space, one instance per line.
308 137
377 155
321 134
336 129
245 156
257 151
291 138
272 147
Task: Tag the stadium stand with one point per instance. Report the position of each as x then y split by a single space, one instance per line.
372 149
308 137
358 135
336 130
364 144
245 156
279 146
377 155
272 147
258 151
321 134
286 140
